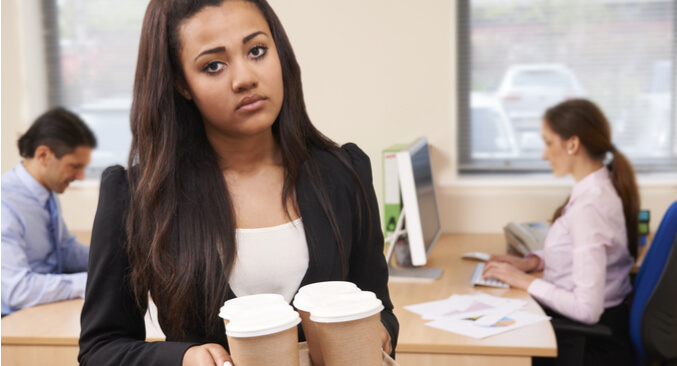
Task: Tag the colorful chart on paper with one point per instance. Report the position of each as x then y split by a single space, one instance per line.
505 322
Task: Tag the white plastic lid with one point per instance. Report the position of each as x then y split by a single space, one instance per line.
320 292
330 286
262 320
247 302
347 307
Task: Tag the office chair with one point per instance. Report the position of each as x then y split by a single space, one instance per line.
653 314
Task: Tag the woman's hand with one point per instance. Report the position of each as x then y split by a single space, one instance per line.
385 340
523 264
507 273
210 354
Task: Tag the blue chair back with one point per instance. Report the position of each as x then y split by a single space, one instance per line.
653 316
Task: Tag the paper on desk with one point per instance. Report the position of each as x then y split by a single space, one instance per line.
464 306
436 309
478 315
469 327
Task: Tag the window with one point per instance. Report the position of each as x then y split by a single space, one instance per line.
519 57
91 54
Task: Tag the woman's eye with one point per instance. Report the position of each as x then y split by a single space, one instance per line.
213 67
258 51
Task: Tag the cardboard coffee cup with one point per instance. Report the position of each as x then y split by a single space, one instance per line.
349 329
264 336
232 306
310 296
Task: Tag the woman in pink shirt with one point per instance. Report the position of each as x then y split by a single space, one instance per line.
592 243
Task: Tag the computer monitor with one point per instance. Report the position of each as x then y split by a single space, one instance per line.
419 218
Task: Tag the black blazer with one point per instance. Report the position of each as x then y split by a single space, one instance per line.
113 329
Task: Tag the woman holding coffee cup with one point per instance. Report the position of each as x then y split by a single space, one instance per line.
230 191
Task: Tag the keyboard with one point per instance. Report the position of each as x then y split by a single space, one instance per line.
477 279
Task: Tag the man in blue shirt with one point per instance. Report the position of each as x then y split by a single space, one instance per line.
41 260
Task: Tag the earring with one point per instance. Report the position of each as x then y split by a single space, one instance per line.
569 152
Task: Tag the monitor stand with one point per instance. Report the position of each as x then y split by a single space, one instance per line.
407 274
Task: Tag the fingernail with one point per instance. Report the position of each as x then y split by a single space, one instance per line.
227 364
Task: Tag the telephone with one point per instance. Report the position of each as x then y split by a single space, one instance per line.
526 237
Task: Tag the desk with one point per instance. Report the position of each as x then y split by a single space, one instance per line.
48 334
421 345
641 253
83 236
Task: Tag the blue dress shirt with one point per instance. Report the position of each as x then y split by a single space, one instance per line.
30 271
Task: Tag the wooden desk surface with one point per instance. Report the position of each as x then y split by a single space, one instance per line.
58 324
48 334
415 337
641 253
83 236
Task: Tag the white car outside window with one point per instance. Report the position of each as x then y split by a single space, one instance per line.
491 133
527 90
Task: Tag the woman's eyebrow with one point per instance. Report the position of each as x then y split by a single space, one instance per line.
223 49
213 50
249 37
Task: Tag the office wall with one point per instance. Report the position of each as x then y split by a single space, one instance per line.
23 93
375 72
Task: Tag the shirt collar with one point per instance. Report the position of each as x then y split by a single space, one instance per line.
38 190
593 179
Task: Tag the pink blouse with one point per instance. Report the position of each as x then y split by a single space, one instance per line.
585 253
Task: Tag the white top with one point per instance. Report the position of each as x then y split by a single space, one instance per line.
585 257
270 260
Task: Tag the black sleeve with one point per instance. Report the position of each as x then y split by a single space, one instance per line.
113 329
368 267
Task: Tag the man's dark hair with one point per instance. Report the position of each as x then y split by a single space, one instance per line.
60 130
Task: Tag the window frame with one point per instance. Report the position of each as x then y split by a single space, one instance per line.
55 89
484 166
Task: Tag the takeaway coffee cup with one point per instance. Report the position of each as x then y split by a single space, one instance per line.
264 336
349 329
310 296
232 306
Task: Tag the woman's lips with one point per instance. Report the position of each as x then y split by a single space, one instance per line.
250 103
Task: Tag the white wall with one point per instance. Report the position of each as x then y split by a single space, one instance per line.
375 72
24 95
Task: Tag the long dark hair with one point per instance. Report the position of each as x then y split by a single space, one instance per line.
583 118
180 221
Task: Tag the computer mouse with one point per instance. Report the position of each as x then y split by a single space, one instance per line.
478 256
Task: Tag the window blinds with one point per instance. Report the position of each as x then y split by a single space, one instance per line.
91 50
519 57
